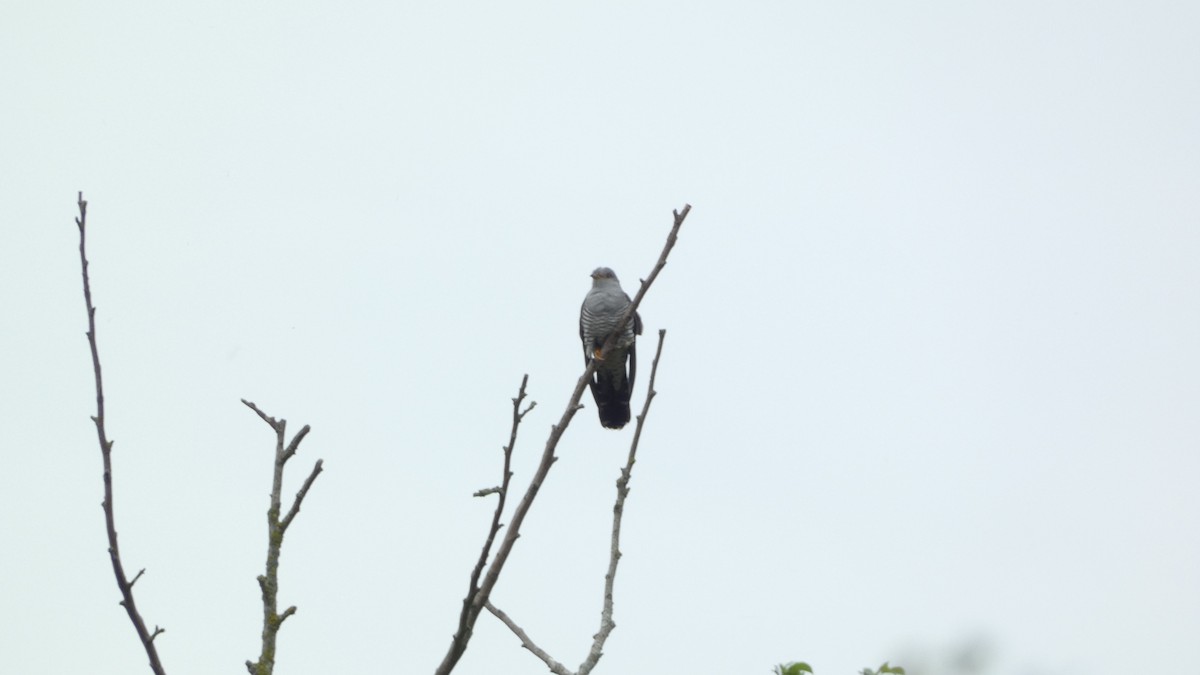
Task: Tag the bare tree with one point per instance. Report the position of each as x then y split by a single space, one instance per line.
478 593
484 576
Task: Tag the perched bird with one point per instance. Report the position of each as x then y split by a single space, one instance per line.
611 384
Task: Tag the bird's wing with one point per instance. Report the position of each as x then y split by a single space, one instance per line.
632 365
581 340
637 330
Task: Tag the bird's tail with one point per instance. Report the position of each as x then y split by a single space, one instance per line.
611 391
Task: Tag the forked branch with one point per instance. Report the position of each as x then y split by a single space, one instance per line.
465 622
268 583
114 552
477 600
606 613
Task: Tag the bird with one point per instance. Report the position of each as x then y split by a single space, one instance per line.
612 383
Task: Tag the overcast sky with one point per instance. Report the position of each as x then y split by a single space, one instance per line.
931 377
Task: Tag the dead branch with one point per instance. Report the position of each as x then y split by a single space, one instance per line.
475 603
114 552
466 617
555 667
276 528
606 621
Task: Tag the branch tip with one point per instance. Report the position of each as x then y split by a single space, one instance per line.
265 417
295 444
268 583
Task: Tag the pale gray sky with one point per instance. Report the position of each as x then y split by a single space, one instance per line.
931 376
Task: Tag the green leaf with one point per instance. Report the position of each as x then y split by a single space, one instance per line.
793 668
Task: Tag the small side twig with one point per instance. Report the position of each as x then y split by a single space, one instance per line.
555 667
468 613
300 495
606 613
114 552
276 528
458 643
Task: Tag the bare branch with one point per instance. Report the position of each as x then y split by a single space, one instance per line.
291 448
316 470
266 418
468 614
606 621
269 583
475 602
672 237
114 553
554 666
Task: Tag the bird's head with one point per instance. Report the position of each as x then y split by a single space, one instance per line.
603 273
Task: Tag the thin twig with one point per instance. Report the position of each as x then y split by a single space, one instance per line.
466 617
114 552
276 527
555 667
266 418
302 493
606 621
458 644
672 237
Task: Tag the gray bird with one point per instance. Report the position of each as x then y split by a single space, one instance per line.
611 385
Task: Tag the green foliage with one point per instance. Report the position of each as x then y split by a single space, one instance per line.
885 669
798 667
